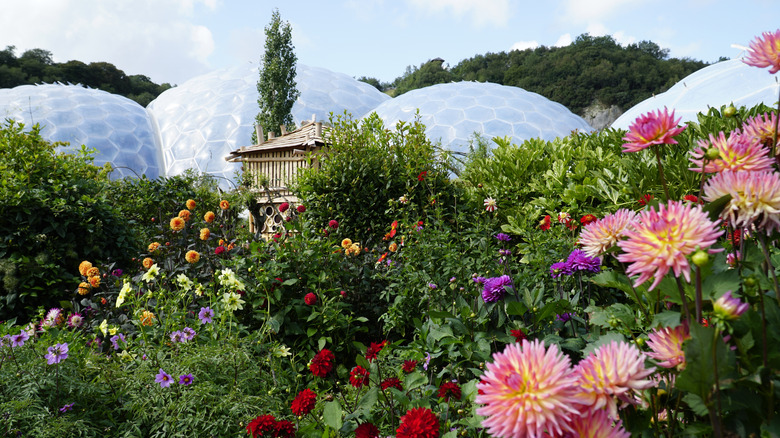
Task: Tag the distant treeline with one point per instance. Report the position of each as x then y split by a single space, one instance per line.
36 66
588 70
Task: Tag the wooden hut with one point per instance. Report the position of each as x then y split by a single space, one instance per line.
272 165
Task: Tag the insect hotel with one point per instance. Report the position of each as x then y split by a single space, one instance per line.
272 165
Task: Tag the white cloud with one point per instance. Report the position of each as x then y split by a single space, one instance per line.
154 38
481 12
563 41
588 11
522 45
623 39
596 29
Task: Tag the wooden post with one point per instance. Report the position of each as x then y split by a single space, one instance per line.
283 129
260 136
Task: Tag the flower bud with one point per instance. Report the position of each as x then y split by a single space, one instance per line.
730 111
700 258
712 154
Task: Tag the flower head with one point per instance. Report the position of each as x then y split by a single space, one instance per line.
322 363
284 429
661 240
765 52
373 350
185 379
579 261
205 233
612 372
448 390
84 267
333 223
503 237
151 273
728 307
116 339
588 219
304 402
409 366
284 206
518 334
84 288
418 423
597 424
490 204
597 237
223 204
358 377
189 333
94 281
177 224
185 214
75 320
650 129
190 204
537 378
67 407
232 301
147 318
20 339
545 223
391 382
560 268
421 175
206 315
346 243
209 217
260 425
667 346
192 256
163 378
755 198
495 288
310 299
762 129
57 353
367 430
738 152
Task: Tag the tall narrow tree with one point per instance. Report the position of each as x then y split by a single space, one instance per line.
276 86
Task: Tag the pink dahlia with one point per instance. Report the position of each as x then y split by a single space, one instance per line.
729 307
597 237
650 129
765 52
661 240
597 424
738 152
755 198
612 372
667 346
528 390
762 128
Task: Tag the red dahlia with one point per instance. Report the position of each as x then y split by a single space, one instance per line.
518 334
418 423
545 223
301 208
304 402
283 207
374 349
367 430
260 425
322 363
448 390
391 382
409 366
310 298
358 376
284 429
588 218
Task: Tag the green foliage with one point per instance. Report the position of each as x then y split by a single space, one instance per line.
55 214
276 85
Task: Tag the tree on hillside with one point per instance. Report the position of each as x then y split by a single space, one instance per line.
276 87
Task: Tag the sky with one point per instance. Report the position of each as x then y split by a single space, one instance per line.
175 40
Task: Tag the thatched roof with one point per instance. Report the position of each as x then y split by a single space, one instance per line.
308 136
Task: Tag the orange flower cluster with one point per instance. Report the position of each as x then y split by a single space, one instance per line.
153 246
92 274
148 262
224 204
185 214
147 318
209 217
205 233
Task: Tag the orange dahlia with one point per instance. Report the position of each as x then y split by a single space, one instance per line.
653 128
192 256
205 233
93 272
147 262
209 217
223 204
147 318
153 246
190 204
84 288
94 281
83 267
177 224
184 214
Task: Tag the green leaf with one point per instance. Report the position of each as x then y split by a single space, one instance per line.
703 352
696 404
715 208
667 318
515 308
368 400
331 414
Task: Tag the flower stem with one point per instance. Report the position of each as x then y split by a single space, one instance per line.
661 171
683 300
769 267
715 416
774 132
698 294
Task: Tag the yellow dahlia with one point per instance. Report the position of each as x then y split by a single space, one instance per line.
94 281
738 152
93 271
612 372
192 256
667 346
346 243
84 267
353 249
599 236
205 233
393 247
190 204
528 390
209 217
177 224
661 240
755 198
765 52
84 288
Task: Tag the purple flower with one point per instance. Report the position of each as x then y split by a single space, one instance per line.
427 361
432 285
503 237
579 261
178 336
66 408
565 317
115 340
479 280
560 268
452 279
206 315
189 334
116 272
185 379
504 252
18 340
495 288
57 353
163 378
5 341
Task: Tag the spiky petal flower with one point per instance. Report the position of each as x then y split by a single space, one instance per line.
418 423
597 425
729 307
653 128
738 152
762 128
765 52
304 402
755 198
661 240
612 372
490 204
597 237
528 390
667 344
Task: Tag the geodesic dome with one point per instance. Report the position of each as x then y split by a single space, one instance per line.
117 127
453 112
718 84
204 119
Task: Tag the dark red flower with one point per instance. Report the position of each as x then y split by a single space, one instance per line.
322 363
588 219
374 349
367 430
418 423
545 223
734 237
284 429
391 382
358 377
301 208
570 223
448 390
219 250
304 402
310 298
645 199
260 425
422 175
691 198
409 366
333 223
518 334
283 207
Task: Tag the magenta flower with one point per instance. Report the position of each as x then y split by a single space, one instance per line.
206 315
755 198
163 378
67 407
651 129
528 390
729 308
761 127
57 353
765 52
738 152
667 346
597 237
185 379
662 240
